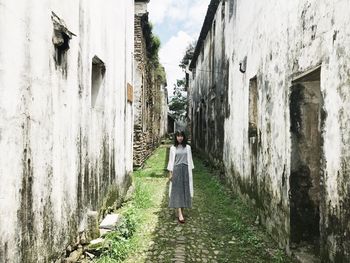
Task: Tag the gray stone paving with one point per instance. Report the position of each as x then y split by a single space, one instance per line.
174 242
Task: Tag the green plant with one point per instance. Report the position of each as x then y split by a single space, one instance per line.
178 103
117 246
152 43
142 196
117 249
128 225
279 256
188 55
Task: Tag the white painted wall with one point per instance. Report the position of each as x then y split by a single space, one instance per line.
282 39
164 111
51 141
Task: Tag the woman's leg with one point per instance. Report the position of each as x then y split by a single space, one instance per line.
181 217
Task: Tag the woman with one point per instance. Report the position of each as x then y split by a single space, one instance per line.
180 175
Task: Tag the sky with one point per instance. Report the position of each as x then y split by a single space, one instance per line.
177 23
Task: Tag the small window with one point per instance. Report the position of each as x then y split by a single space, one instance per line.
60 39
232 8
202 53
214 28
223 6
97 79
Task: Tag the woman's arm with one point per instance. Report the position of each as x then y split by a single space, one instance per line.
171 160
191 159
171 163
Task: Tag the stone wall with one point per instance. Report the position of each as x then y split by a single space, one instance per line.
65 125
150 94
270 103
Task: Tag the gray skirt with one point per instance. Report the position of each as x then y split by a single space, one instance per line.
180 196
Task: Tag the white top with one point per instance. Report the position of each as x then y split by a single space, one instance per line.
171 164
181 155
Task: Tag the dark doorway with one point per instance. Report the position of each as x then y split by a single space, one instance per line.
253 129
305 117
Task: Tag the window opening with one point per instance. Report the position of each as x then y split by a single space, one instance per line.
223 6
232 7
97 78
61 38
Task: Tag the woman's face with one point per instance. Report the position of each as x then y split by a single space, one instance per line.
179 139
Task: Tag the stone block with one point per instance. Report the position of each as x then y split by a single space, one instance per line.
74 256
110 221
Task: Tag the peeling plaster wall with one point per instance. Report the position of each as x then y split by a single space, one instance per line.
59 156
280 40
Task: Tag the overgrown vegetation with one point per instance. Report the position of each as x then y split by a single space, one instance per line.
160 74
219 222
117 243
188 55
152 43
129 235
248 241
178 102
155 71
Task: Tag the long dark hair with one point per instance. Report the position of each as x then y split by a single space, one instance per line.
184 141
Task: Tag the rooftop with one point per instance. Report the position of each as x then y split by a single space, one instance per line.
213 6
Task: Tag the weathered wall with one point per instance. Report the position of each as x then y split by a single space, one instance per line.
60 155
209 93
163 122
279 41
149 90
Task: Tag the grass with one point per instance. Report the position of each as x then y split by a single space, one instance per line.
250 243
138 212
219 227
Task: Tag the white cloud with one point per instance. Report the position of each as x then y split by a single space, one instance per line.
178 10
170 56
197 14
188 15
189 11
158 10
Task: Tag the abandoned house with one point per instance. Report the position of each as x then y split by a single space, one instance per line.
66 122
150 92
270 104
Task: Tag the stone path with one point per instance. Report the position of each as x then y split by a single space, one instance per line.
189 242
218 228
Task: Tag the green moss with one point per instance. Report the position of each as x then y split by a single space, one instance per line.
110 202
152 43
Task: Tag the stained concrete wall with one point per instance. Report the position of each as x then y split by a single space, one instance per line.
59 155
276 41
163 121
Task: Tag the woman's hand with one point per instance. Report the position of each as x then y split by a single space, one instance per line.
170 175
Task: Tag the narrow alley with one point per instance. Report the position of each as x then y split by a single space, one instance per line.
219 228
92 92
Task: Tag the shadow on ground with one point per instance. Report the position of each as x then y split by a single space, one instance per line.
219 228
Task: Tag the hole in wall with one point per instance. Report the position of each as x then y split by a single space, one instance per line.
97 78
60 39
305 195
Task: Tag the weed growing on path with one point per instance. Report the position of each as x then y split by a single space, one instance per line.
219 227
